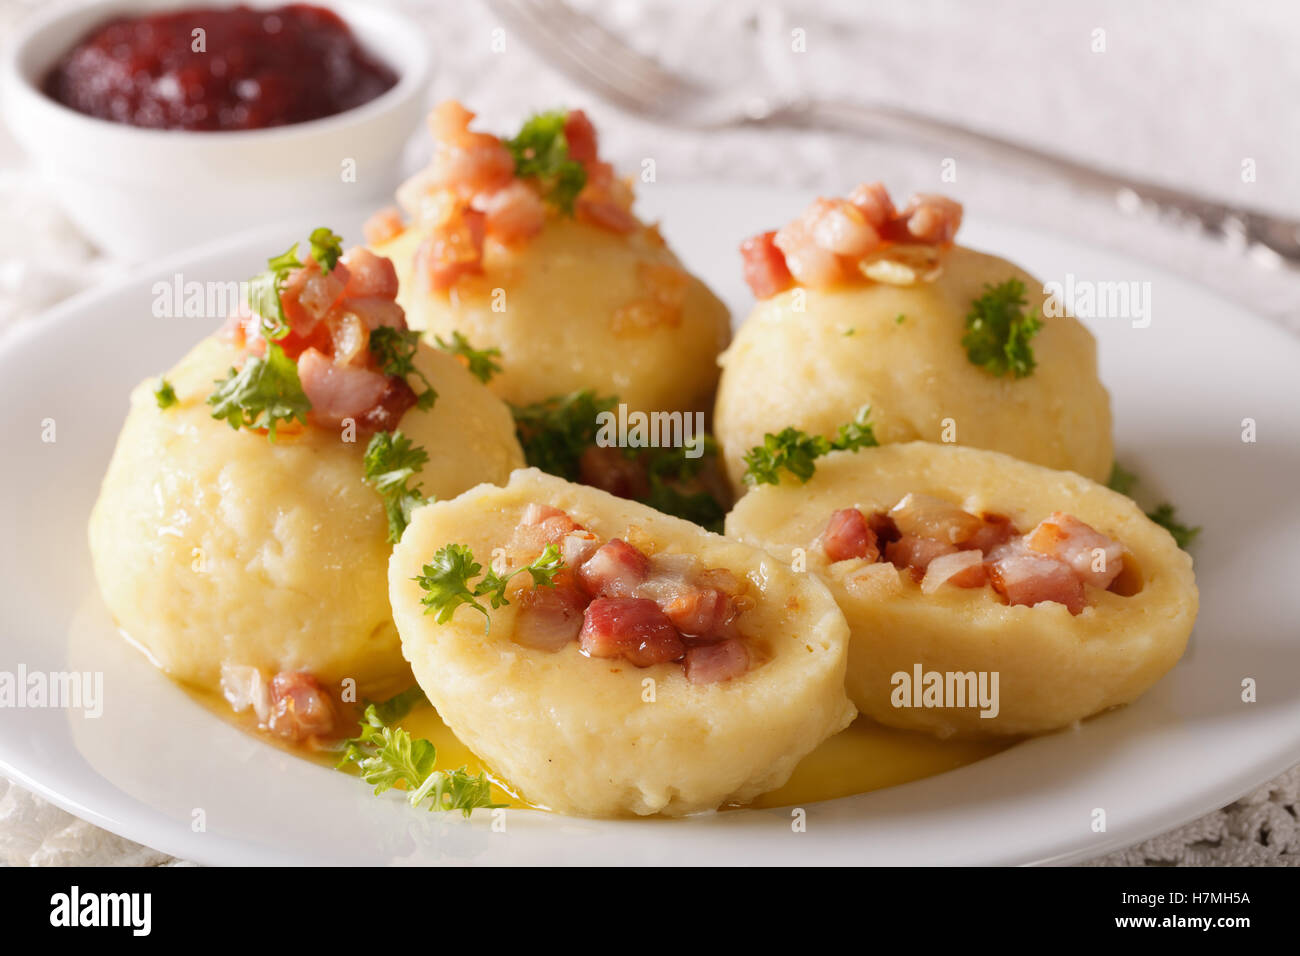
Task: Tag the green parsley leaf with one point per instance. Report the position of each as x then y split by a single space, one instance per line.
264 292
479 361
556 431
394 350
789 449
446 579
1167 517
391 461
265 392
1121 480
387 756
998 330
856 434
901 318
797 452
165 394
541 152
395 708
326 248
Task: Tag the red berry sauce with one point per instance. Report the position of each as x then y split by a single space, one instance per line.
255 69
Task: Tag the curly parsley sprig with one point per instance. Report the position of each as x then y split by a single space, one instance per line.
387 757
1165 515
541 152
556 431
265 392
446 581
265 288
480 362
797 452
391 461
998 330
394 350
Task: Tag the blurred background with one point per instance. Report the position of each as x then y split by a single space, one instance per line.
1180 93
1187 94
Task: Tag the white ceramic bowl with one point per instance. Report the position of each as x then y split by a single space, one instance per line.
139 193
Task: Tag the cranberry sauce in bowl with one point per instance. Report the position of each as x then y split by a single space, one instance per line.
208 68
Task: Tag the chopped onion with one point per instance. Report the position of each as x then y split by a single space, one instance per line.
947 566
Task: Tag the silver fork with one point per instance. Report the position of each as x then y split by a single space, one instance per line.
593 57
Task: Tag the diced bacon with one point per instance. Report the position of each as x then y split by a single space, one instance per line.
454 248
809 263
838 226
383 225
883 527
232 330
300 707
337 392
703 614
548 525
607 215
369 275
995 530
608 469
765 268
962 568
1095 558
580 134
834 240
848 536
916 553
872 200
296 314
634 628
929 517
713 663
376 311
932 218
319 292
386 414
1023 577
615 570
513 213
549 617
537 513
466 162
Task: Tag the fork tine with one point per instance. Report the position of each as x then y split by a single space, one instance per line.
591 56
612 50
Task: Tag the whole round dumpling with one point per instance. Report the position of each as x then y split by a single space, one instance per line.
227 548
660 669
826 339
554 272
1039 595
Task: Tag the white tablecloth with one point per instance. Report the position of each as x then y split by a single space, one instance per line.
1183 93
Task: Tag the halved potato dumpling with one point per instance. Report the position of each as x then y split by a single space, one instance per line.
603 737
1053 667
812 358
213 546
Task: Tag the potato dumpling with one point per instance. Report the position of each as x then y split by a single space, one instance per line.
899 349
579 307
598 735
1053 667
214 546
534 250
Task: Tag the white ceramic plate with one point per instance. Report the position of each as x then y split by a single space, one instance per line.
154 758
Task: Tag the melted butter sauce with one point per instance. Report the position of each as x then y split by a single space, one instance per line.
863 757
